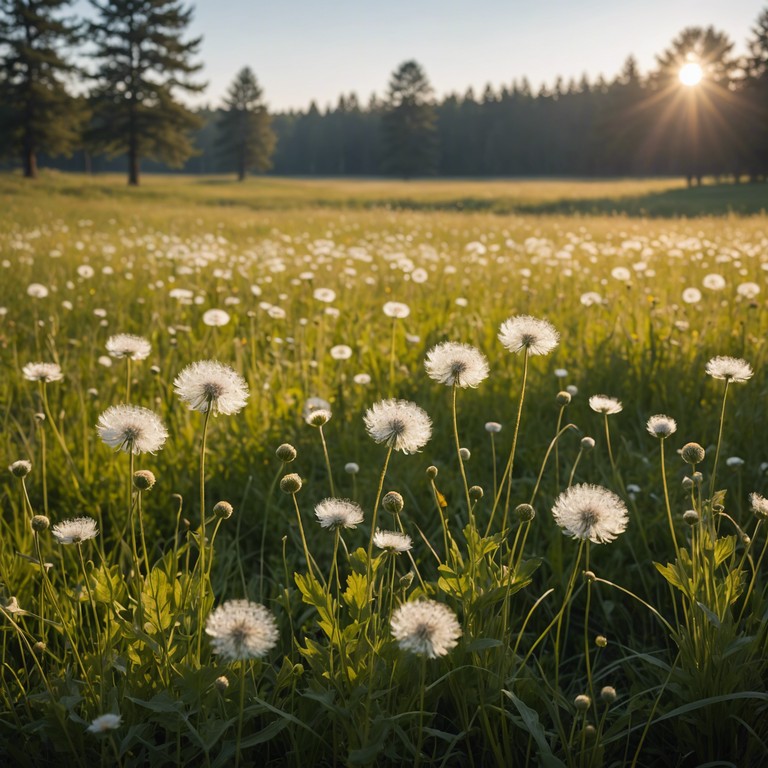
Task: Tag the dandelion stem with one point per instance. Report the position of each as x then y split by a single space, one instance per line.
666 499
238 753
201 542
327 460
719 441
369 569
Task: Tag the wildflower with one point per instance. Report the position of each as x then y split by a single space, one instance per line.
492 426
132 429
748 290
325 295
392 541
351 468
290 483
561 373
341 352
20 468
221 683
691 295
563 398
286 453
476 493
591 512
465 454
605 404
729 368
582 702
363 379
37 291
42 372
591 297
456 364
241 630
209 384
393 502
734 461
401 424
318 417
661 426
714 282
525 513
215 318
338 513
143 480
607 694
75 531
128 345
223 510
538 337
104 723
396 309
39 523
426 627
315 404
692 453
759 505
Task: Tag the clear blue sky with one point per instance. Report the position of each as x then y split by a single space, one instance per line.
313 49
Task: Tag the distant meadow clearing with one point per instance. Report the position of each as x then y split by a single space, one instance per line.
321 551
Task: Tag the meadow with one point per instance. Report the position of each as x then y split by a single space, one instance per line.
595 366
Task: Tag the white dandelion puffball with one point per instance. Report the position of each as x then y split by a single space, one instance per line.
493 427
523 332
215 318
401 424
456 364
396 309
338 513
341 352
591 297
691 295
104 723
591 512
605 404
426 628
75 531
132 429
729 368
713 282
128 345
211 384
392 541
326 295
759 505
661 425
241 630
42 372
748 290
37 290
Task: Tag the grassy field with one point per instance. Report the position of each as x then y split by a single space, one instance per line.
645 282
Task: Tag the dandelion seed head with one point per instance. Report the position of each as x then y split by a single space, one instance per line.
326 295
104 723
74 531
605 404
396 309
591 512
401 424
734 461
45 372
132 428
128 345
493 427
456 364
351 468
338 513
37 291
312 404
523 332
216 318
318 417
20 468
211 384
392 541
661 426
759 505
729 368
241 630
426 628
341 352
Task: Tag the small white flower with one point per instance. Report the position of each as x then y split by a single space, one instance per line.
338 513
362 379
241 630
392 541
691 295
74 531
713 282
493 427
132 429
605 404
401 424
456 364
341 352
46 372
396 309
211 384
729 368
128 345
759 505
104 723
523 332
590 512
37 290
425 627
215 318
351 468
325 295
734 461
661 425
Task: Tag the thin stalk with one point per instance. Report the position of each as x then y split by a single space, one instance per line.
327 460
422 686
392 358
719 441
263 535
587 662
666 500
458 456
561 612
241 710
369 569
44 466
307 556
201 597
128 379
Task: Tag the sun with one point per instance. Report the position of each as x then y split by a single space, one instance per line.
690 73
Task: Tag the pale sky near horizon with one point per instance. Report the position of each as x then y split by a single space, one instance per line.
304 50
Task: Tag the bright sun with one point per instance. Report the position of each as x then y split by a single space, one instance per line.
690 73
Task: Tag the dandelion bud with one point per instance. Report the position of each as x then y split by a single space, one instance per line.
40 523
525 512
464 454
587 443
290 483
582 702
608 694
687 483
692 453
40 417
691 517
20 468
39 647
590 731
286 453
697 478
745 540
563 398
351 468
143 479
155 370
393 502
431 472
589 576
221 683
297 670
601 641
475 493
318 417
406 581
223 509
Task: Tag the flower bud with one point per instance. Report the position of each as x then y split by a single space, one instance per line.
431 472
223 510
687 483
143 480
290 483
493 427
525 512
464 454
20 468
475 493
587 443
393 502
286 453
351 468
608 694
692 453
691 517
406 581
582 702
318 417
601 641
563 398
221 683
39 523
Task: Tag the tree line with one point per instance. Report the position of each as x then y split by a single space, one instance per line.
127 111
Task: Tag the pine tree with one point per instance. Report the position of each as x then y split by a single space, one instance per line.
756 92
38 113
409 124
143 61
246 138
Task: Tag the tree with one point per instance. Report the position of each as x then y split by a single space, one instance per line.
38 114
142 63
756 92
409 124
246 138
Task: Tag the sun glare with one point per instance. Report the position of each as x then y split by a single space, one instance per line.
690 73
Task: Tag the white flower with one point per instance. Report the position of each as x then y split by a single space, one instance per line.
215 318
734 461
132 429
714 282
661 425
392 541
400 424
37 291
312 404
362 379
691 295
759 505
104 723
211 384
537 336
590 512
74 531
341 352
605 404
493 427
729 368
324 294
42 372
338 513
396 309
425 627
591 297
456 364
241 630
128 345
748 290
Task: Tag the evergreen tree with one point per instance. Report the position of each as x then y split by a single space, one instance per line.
38 114
143 61
246 138
756 92
409 124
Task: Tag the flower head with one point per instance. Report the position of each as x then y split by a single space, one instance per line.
132 429
128 345
209 384
74 531
729 368
661 426
591 512
338 513
759 505
426 627
396 309
456 364
215 318
523 332
241 630
392 541
20 468
104 723
605 404
400 424
42 372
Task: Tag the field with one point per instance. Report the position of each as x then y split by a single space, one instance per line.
638 638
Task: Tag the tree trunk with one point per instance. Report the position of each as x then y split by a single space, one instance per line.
30 163
133 161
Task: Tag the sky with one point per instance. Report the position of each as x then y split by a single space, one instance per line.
304 50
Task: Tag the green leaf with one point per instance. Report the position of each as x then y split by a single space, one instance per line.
724 548
531 720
